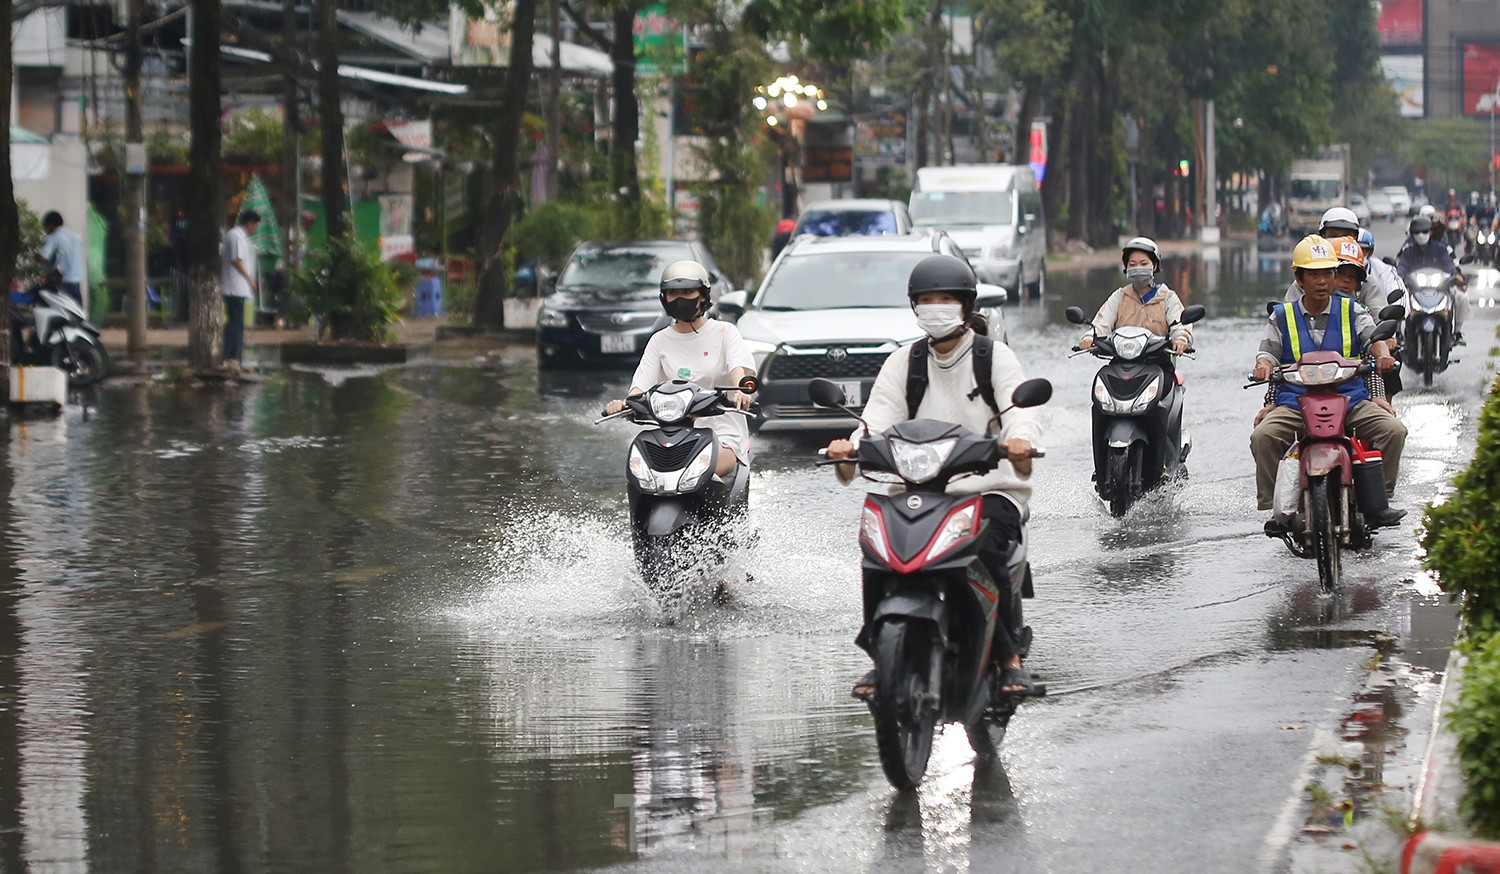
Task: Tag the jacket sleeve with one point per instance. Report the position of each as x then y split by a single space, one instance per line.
1006 374
1178 331
648 372
1105 318
887 402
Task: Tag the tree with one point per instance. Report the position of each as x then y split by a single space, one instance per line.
331 115
205 213
625 125
10 235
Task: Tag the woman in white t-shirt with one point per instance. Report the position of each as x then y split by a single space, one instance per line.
698 349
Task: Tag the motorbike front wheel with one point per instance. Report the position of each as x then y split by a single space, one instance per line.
84 361
905 705
1324 496
1122 474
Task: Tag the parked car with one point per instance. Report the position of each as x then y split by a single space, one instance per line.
606 302
1360 207
1380 205
994 211
853 218
836 308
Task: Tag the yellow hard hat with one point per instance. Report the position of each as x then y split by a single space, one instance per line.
1314 253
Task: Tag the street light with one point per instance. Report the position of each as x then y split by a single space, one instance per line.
786 104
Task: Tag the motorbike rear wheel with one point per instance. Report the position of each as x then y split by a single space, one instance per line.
905 708
1123 474
84 361
1324 496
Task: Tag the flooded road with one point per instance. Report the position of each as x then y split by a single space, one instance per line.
387 620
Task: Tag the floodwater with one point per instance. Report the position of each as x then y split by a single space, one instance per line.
387 620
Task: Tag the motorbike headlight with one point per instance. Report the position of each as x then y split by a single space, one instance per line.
958 527
1328 373
1130 348
1147 395
641 470
1102 396
872 531
920 462
549 318
669 407
697 468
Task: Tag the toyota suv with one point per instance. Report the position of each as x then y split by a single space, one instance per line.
836 307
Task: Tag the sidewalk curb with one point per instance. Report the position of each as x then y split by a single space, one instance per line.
1432 850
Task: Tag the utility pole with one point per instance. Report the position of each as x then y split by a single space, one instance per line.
135 187
291 164
1210 227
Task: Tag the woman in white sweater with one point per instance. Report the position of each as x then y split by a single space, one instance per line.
943 289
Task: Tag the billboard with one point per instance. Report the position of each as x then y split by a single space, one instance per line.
1404 72
1399 22
1481 78
880 140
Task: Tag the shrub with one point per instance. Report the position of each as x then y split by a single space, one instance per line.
28 269
1462 535
351 292
1475 720
550 232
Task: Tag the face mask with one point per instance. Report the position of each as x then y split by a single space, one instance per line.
1421 239
939 320
1140 277
683 309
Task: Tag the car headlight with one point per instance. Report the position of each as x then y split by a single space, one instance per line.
920 462
759 350
961 525
1130 348
697 468
669 407
641 470
549 318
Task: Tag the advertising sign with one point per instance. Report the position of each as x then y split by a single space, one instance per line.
880 140
479 42
1399 22
1404 72
827 164
658 40
1481 78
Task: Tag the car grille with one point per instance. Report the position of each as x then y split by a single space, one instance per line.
855 365
669 457
615 323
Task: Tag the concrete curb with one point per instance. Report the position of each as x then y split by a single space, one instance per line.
1434 850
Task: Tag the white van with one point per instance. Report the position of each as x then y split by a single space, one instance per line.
994 212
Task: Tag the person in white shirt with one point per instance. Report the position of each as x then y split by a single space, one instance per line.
62 252
698 349
942 289
237 277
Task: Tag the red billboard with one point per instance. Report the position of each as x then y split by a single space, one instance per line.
1481 78
1399 22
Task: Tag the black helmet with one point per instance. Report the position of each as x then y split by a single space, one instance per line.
944 273
1421 225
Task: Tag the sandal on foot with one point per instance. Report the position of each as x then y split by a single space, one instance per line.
864 690
1019 678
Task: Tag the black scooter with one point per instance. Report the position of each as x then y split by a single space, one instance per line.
1137 412
684 520
930 605
1429 325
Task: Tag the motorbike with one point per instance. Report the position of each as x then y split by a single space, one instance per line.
684 520
1332 480
1272 225
1454 221
930 605
1482 247
1429 326
50 329
1139 443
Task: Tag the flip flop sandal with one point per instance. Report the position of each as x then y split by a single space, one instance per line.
864 690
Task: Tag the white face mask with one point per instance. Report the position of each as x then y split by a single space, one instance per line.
938 320
1421 239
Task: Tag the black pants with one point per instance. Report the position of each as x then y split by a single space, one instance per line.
1004 529
234 329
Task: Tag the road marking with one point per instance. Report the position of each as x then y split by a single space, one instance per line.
1280 835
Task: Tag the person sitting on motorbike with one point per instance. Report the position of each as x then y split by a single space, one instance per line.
1380 274
1320 320
1338 223
697 349
942 290
1142 302
1426 249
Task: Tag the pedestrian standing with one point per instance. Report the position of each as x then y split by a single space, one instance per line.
62 252
237 276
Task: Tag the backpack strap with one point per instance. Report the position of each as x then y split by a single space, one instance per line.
984 377
916 377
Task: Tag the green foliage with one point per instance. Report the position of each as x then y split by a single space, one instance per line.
1031 37
1475 720
835 33
253 135
1462 535
1449 152
28 269
549 232
353 294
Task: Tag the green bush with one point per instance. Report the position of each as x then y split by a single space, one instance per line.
28 269
550 232
1462 535
1475 720
351 292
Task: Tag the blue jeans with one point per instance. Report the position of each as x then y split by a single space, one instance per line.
234 329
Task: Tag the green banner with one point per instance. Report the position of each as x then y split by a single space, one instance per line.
658 42
268 236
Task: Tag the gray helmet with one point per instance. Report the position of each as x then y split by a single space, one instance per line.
1141 244
944 273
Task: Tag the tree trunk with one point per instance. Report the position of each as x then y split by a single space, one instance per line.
205 213
331 112
1055 182
505 190
135 190
10 221
1030 94
291 122
931 57
624 174
1100 229
554 97
1081 115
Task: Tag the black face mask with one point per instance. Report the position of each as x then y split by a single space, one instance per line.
683 309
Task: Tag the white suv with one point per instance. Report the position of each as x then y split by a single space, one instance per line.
836 307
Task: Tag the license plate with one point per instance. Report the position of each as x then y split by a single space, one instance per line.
852 395
612 343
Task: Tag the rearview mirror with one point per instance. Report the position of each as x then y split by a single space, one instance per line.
1389 260
990 296
1386 329
1396 313
1032 393
1271 306
733 303
1075 315
1194 313
1395 296
824 393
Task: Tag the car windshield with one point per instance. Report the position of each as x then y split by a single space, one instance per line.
950 208
847 223
1319 189
622 268
839 280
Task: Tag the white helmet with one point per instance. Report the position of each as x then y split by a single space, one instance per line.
1341 217
1141 244
1427 210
